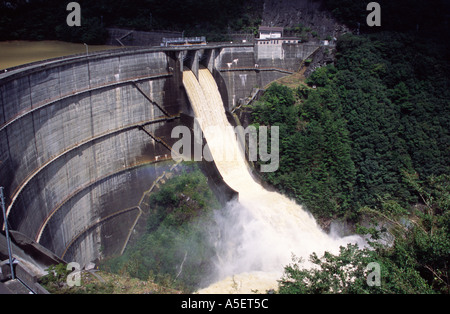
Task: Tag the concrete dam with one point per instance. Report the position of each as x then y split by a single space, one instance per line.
84 139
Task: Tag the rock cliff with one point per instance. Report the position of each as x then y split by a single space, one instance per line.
309 13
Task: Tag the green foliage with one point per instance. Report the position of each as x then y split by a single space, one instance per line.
347 273
396 120
364 132
375 114
415 262
174 251
315 165
343 273
276 107
427 243
55 282
57 274
321 76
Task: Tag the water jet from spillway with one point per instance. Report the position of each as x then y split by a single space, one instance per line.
258 234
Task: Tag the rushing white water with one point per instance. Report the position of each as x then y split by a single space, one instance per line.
259 233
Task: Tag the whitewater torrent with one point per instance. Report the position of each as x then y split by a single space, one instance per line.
259 233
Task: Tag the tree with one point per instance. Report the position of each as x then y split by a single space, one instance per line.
175 249
421 235
348 273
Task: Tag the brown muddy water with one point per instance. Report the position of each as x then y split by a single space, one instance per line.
18 52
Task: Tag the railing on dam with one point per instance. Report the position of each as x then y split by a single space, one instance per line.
183 41
38 65
255 68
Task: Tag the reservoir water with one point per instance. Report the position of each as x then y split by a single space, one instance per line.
18 52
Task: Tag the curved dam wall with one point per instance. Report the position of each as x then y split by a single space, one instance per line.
75 152
84 139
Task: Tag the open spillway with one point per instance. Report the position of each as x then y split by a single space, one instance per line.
263 229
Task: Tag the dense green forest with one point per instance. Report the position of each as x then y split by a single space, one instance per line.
416 261
44 20
174 251
380 113
369 138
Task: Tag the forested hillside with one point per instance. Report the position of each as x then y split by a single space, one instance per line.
380 113
368 137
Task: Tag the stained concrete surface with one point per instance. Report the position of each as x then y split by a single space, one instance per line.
74 157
